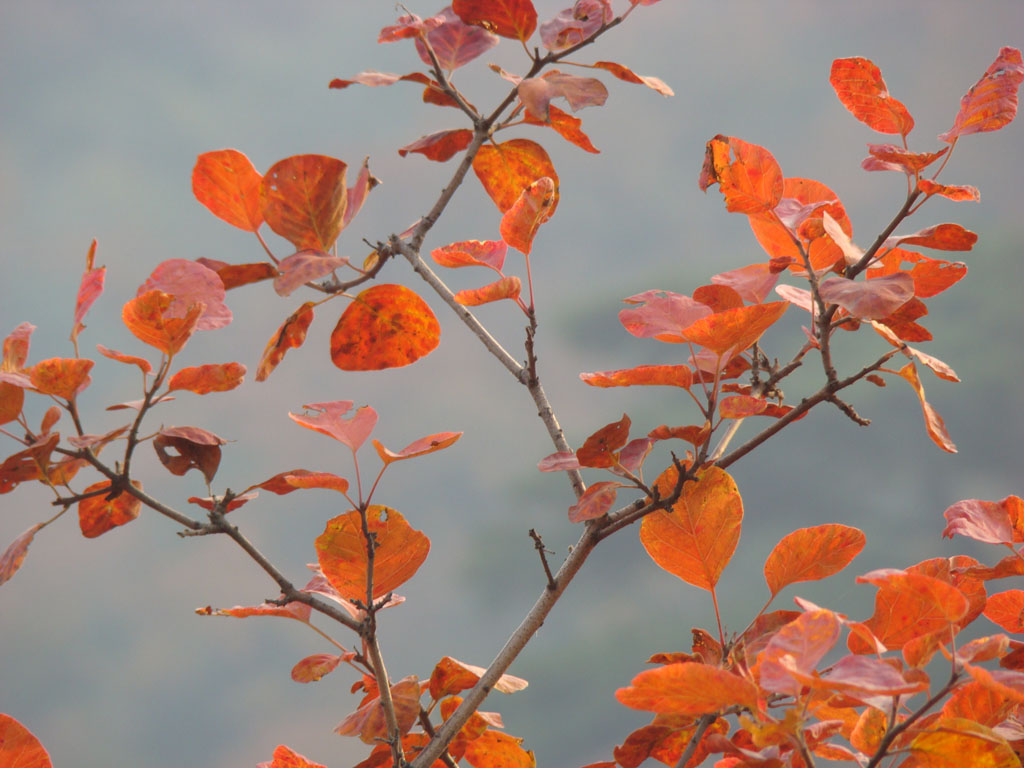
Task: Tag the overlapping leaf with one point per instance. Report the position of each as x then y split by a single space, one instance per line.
516 19
190 284
574 25
451 676
386 326
150 319
994 522
454 42
933 422
662 315
567 126
687 689
290 335
97 514
193 448
520 223
734 330
810 554
304 199
303 267
748 176
226 182
506 169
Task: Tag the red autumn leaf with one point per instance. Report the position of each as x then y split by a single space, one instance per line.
567 126
688 689
934 424
386 326
97 514
409 26
599 449
696 538
292 610
472 253
421 447
734 330
60 377
369 722
290 335
691 434
19 748
14 556
533 207
304 267
665 740
88 291
931 276
451 676
741 406
505 288
977 702
324 480
194 448
149 318
190 284
226 182
799 212
237 275
969 741
992 101
203 379
29 464
312 668
856 676
811 554
506 169
941 237
304 199
595 501
858 84
356 194
342 551
642 375
331 421
869 299
454 42
121 357
515 19
574 25
718 298
629 76
440 146
902 322
795 649
662 315
494 749
432 92
279 483
747 175
753 282
16 346
1007 610
994 522
889 157
536 93
209 502
957 192
284 757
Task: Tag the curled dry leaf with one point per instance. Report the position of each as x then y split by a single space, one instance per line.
505 288
204 379
14 555
290 335
194 448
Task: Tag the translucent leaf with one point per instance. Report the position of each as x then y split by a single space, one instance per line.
1007 610
955 742
19 748
629 76
688 689
149 318
734 330
440 146
571 27
226 182
330 420
942 237
454 42
451 676
284 757
304 267
190 284
88 291
313 668
506 169
472 253
536 93
421 447
642 375
858 84
741 406
811 554
290 335
204 379
516 19
567 126
747 175
304 199
662 315
958 192
992 101
795 650
386 326
993 522
504 288
369 722
934 424
869 299
144 365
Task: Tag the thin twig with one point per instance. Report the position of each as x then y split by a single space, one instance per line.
538 544
384 688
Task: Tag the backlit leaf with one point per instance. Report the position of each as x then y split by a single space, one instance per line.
440 146
432 92
958 192
515 19
409 26
330 420
536 93
889 157
472 253
304 199
753 282
291 610
992 101
662 315
505 288
748 176
933 423
1007 610
290 335
800 211
386 326
369 722
226 182
203 379
150 319
642 375
304 267
994 522
696 538
571 28
858 84
956 741
60 377
421 447
931 276
795 650
506 169
942 237
567 126
629 76
869 299
89 290
313 668
866 676
284 757
533 207
741 406
734 330
599 449
237 275
14 556
717 298
688 689
454 42
324 480
97 515
451 676
494 749
190 284
810 554
19 748
194 448
342 552
595 501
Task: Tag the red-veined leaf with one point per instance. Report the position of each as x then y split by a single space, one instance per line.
330 420
747 175
629 76
810 554
992 101
858 84
97 514
290 335
203 379
190 284
506 169
304 199
226 182
934 424
688 689
595 501
194 448
515 19
19 748
472 253
642 375
454 42
440 146
303 267
421 447
386 326
504 288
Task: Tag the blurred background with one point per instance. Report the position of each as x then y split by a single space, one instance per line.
103 109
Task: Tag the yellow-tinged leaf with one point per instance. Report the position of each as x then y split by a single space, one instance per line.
689 688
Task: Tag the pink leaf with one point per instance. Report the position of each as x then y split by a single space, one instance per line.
595 501
303 267
537 92
869 299
454 42
190 283
14 555
663 315
352 431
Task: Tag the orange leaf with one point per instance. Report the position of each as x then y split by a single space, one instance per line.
290 335
810 554
29 464
961 741
226 182
567 126
941 237
97 514
642 375
599 449
629 76
454 42
304 199
958 192
60 377
285 757
203 379
19 748
421 447
313 668
236 275
324 480
504 288
472 253
858 84
795 650
451 676
1006 609
662 315
734 330
387 326
533 207
494 749
293 610
689 688
800 212
595 501
934 424
515 19
147 317
741 406
12 400
88 290
697 537
14 556
507 169
889 157
190 283
931 276
440 146
369 722
121 357
992 101
342 552
751 182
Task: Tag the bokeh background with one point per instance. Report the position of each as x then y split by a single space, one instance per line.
103 109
